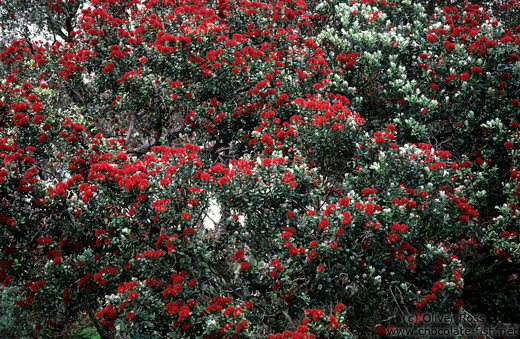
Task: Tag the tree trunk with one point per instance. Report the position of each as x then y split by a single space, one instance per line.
104 332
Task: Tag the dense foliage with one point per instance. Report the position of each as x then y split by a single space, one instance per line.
246 169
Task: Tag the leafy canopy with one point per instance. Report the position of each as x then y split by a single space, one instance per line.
240 169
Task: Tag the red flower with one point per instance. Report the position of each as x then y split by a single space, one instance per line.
38 118
323 223
421 304
431 37
312 255
266 139
44 240
239 255
476 70
241 325
464 76
449 45
132 295
223 180
502 254
285 235
43 137
214 308
380 330
392 237
346 217
344 201
244 266
509 145
229 311
369 208
338 308
456 275
380 140
37 107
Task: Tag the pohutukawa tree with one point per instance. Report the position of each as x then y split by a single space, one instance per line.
243 169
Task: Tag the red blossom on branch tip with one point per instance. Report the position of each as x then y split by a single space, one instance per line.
380 330
476 70
244 266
